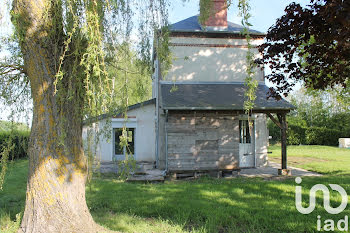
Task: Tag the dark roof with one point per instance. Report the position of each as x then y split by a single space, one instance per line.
191 24
217 97
139 105
118 112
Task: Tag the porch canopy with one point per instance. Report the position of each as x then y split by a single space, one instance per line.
217 97
226 96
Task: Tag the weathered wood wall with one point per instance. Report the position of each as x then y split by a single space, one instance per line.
202 141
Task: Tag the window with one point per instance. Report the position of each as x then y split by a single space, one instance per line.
121 150
244 134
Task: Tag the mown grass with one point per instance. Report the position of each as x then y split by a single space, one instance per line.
323 159
204 205
12 197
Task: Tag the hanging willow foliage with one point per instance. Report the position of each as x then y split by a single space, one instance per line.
98 40
250 82
94 35
118 57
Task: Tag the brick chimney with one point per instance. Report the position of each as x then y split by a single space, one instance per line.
218 17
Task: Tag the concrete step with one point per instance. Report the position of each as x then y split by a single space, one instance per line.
152 175
144 166
112 167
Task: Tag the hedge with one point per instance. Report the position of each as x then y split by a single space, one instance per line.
323 136
297 135
20 139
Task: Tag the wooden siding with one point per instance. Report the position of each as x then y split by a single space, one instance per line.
202 141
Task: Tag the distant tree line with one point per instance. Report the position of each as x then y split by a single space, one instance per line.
319 119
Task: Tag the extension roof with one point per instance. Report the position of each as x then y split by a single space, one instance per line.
118 112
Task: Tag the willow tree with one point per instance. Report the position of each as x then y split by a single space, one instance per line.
63 47
62 56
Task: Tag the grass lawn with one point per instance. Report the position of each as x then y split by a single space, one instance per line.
322 159
204 205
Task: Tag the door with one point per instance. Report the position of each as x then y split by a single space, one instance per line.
119 150
246 147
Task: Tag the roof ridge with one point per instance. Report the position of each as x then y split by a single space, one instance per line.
191 24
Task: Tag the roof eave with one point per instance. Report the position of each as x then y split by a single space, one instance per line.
228 33
228 109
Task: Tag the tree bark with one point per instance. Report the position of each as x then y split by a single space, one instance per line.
55 199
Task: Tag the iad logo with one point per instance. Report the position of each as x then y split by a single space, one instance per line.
312 202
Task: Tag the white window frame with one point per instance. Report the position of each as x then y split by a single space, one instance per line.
118 123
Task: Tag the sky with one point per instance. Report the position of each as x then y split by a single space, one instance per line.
264 14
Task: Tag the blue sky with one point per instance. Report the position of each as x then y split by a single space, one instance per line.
264 12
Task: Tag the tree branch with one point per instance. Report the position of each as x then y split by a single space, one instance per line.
6 69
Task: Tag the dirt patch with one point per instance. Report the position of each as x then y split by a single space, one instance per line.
292 161
278 178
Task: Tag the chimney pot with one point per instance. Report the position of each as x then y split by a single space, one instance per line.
218 16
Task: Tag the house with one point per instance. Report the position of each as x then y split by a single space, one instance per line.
195 120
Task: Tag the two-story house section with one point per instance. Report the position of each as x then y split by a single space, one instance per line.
195 120
201 122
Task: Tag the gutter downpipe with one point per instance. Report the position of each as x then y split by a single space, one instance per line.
157 138
157 122
158 74
157 107
166 144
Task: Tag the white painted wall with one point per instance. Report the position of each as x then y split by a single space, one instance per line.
144 122
344 143
218 64
145 132
90 140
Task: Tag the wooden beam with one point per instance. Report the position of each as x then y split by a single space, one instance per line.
274 120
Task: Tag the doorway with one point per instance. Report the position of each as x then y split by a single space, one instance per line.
246 145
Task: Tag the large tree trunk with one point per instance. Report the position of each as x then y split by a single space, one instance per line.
55 199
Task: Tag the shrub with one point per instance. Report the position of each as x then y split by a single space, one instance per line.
295 135
274 131
322 136
19 138
298 134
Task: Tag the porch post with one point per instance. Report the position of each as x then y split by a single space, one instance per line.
282 120
282 124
